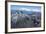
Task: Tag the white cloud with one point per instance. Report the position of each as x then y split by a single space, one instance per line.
23 9
27 9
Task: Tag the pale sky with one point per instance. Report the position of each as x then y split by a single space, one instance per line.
26 8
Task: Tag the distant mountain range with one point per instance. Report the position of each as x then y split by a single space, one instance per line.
24 12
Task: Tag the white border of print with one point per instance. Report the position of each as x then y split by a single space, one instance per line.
24 29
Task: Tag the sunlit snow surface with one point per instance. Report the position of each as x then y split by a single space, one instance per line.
25 16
